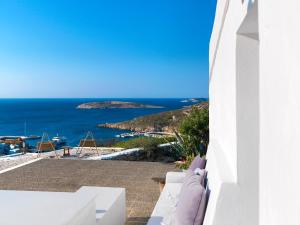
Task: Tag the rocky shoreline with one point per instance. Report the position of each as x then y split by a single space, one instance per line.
159 122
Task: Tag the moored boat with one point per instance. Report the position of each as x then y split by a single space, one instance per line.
59 141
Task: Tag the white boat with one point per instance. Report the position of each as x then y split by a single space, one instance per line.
192 100
59 141
13 149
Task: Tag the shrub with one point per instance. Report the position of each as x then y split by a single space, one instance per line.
141 142
194 131
184 165
107 143
151 150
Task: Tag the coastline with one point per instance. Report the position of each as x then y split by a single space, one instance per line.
157 122
60 116
164 121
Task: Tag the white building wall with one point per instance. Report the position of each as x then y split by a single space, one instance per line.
253 156
234 115
225 206
223 127
279 112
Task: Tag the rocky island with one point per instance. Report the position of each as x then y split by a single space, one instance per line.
159 122
115 105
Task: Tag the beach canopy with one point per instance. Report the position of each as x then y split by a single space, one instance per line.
88 142
13 141
46 145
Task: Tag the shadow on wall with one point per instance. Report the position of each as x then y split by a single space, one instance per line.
247 114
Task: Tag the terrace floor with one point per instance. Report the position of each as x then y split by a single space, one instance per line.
69 175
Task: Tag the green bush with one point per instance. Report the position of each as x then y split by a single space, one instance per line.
107 143
151 150
194 131
143 142
185 164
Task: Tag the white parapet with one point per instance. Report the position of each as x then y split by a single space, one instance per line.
110 204
87 206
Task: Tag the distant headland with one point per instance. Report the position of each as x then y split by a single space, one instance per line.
115 105
159 122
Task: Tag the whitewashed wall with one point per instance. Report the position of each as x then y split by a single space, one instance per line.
254 152
231 86
279 112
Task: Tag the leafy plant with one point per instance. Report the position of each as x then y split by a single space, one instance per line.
151 149
194 131
141 142
184 165
179 147
107 143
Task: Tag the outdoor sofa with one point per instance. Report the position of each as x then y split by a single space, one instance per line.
184 198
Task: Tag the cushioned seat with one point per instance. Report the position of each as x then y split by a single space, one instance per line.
166 205
165 208
175 177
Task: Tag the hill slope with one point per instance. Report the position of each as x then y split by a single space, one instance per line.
163 121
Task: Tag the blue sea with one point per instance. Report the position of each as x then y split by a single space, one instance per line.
60 116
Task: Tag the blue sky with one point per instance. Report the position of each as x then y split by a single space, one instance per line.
105 48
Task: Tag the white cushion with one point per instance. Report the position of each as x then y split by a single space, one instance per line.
175 177
166 205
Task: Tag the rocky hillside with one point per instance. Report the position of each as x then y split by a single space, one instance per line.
164 121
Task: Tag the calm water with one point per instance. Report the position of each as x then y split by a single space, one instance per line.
60 116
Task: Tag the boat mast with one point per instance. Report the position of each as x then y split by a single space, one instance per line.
25 128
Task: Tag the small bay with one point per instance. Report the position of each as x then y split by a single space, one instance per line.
60 116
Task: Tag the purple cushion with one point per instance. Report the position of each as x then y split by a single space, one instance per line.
201 176
191 205
198 162
202 173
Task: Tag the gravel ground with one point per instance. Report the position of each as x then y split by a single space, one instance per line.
138 178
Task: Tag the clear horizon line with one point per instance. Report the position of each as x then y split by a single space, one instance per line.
102 97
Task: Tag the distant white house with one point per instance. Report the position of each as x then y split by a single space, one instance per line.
254 151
